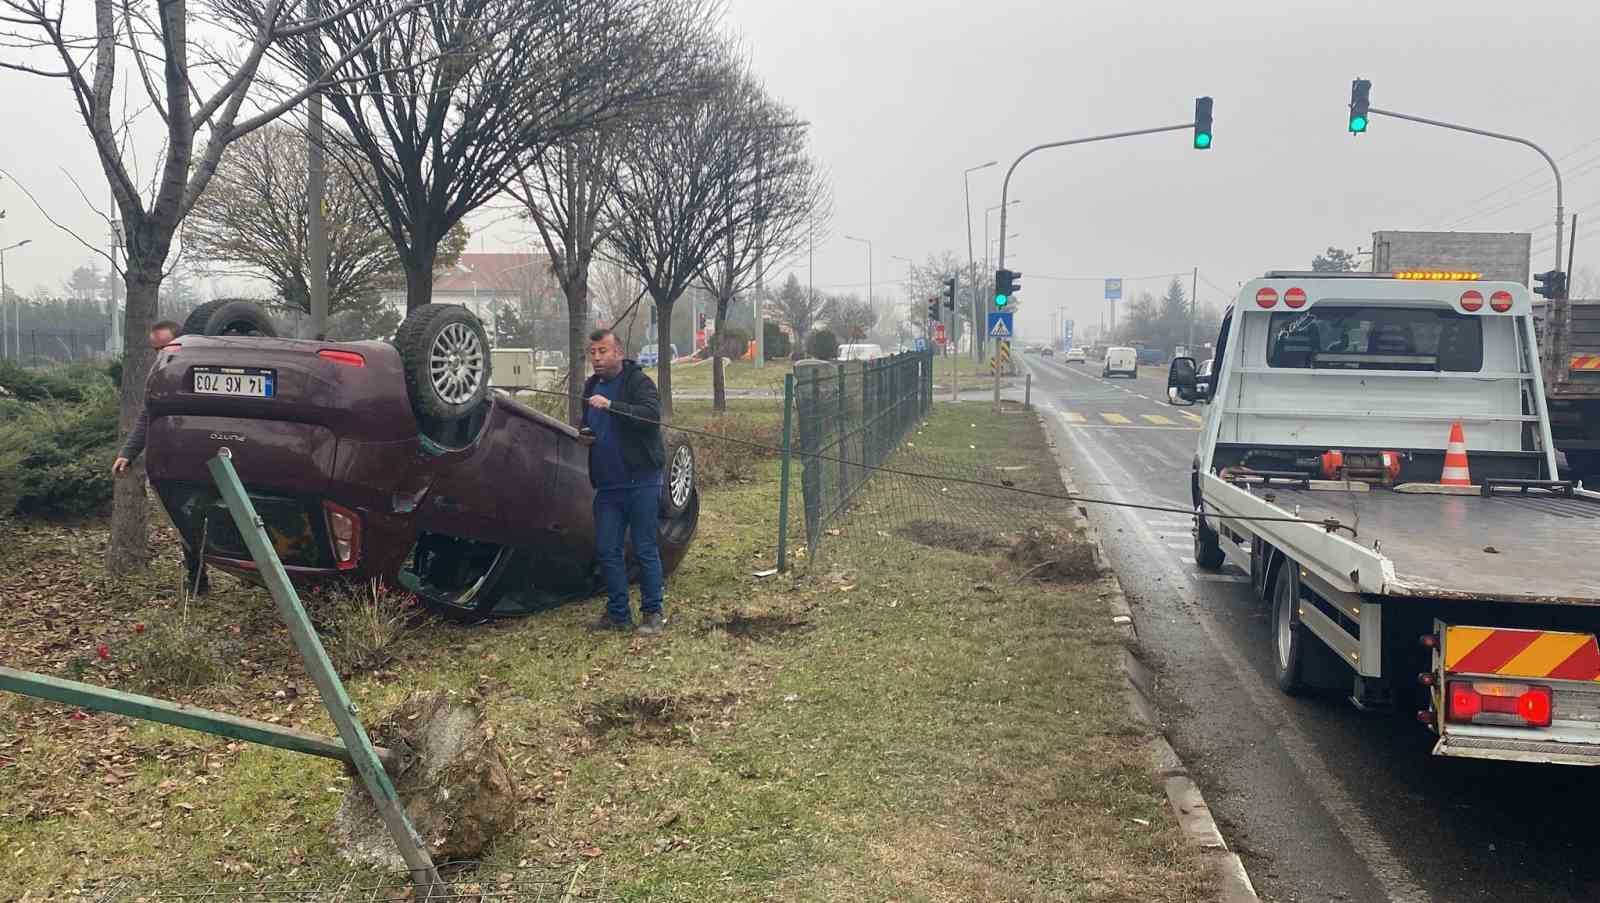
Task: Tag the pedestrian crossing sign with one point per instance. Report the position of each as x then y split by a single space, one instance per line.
1000 325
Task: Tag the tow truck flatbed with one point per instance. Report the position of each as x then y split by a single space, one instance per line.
1439 545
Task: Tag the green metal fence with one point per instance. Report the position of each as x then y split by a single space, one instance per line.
839 421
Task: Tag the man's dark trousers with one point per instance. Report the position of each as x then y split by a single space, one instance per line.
629 509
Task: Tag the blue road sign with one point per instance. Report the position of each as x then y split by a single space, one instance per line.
922 344
1066 331
1000 325
1113 289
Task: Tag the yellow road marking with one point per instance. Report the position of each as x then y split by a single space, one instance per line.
1195 417
1157 419
1114 418
1074 418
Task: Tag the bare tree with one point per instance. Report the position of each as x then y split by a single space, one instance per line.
253 222
849 317
464 94
797 308
566 192
201 119
767 192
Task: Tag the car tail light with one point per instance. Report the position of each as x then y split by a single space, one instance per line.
1471 301
344 526
1500 301
348 358
1295 298
1500 702
1266 298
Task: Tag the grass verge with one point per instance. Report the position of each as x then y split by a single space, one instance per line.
904 722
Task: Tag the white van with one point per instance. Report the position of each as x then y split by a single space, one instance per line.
1121 361
864 352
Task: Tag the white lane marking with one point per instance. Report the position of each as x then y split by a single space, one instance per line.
1221 578
1354 823
1187 560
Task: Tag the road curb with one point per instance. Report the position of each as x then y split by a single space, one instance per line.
1199 827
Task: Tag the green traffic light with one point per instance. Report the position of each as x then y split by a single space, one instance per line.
1358 124
1001 300
1202 140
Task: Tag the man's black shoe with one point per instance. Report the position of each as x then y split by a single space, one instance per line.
608 624
652 624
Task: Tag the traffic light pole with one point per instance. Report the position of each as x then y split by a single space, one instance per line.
1560 313
1005 187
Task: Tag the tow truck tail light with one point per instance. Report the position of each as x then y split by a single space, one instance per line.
348 358
1500 302
344 526
1500 702
1471 301
1267 298
1295 298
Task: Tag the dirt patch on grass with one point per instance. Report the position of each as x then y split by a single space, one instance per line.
1052 554
955 537
759 626
661 720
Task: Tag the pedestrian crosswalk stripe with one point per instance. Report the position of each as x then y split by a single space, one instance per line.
1157 419
1195 417
1114 418
1073 418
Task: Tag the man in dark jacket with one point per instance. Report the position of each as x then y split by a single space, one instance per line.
161 335
625 461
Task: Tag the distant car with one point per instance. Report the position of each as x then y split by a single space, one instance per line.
1121 361
1075 356
650 355
394 462
1047 351
859 352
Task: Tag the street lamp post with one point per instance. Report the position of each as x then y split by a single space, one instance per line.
972 268
16 310
869 265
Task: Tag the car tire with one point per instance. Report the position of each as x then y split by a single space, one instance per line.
229 316
678 475
1288 634
1208 553
445 352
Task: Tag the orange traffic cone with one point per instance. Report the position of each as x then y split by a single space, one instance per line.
1455 471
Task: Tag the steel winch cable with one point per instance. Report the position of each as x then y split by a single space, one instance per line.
1330 524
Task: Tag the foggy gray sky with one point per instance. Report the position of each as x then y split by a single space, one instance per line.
904 95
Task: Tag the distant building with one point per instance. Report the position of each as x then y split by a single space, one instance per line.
484 283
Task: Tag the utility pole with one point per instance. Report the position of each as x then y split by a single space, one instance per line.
971 263
316 187
1194 307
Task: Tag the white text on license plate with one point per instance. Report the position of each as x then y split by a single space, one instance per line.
249 385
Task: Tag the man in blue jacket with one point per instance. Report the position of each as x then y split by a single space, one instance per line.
622 409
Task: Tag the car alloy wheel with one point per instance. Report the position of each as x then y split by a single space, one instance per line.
455 364
681 476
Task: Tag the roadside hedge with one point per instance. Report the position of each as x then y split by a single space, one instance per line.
58 434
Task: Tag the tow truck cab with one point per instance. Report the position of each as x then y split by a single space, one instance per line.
1321 472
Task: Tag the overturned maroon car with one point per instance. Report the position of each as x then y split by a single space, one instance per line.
394 461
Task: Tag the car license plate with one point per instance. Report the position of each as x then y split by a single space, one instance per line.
241 382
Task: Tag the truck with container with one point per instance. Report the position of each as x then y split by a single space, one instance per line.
1376 454
1568 329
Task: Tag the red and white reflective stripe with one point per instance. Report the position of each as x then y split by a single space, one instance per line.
1471 301
1295 298
1500 301
1267 297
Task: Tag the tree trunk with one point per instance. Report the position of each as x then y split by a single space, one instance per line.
719 386
129 549
664 352
577 292
419 276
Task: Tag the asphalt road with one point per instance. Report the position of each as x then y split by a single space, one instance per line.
1322 802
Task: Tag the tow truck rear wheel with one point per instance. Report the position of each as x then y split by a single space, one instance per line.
1207 548
1288 634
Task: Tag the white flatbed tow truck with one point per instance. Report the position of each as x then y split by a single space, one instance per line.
1321 472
